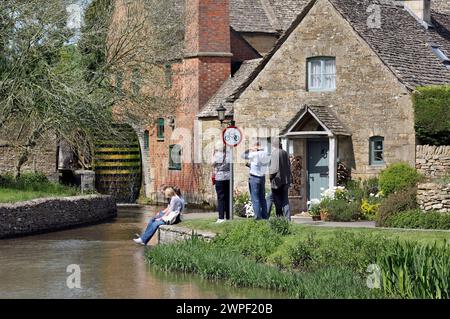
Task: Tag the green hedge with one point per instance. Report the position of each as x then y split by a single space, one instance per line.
432 114
419 219
398 177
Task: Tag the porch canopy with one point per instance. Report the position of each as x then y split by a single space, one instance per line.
317 122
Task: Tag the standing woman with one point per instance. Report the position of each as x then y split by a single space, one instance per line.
221 172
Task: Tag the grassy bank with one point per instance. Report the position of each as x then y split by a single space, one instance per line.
31 186
314 262
303 231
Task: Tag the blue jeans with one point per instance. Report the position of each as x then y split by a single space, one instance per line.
257 186
152 227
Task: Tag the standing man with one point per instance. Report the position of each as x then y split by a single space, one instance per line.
258 162
280 178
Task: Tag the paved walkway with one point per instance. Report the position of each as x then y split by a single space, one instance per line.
297 220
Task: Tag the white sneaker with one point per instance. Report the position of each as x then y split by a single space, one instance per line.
139 241
220 221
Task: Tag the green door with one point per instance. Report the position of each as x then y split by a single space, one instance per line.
318 169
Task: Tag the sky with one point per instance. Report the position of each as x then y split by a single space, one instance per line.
75 10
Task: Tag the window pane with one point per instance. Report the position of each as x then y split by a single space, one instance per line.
378 145
377 150
160 128
322 74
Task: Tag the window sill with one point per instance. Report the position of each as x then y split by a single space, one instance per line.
160 139
320 91
175 169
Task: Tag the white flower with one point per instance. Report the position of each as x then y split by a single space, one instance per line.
371 194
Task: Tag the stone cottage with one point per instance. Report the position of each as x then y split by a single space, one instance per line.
337 88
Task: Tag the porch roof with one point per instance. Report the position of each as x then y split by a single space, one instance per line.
323 115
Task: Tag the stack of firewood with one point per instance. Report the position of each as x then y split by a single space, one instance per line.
296 168
344 174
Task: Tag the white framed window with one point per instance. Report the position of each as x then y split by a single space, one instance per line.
322 74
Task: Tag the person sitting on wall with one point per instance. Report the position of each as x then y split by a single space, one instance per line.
168 216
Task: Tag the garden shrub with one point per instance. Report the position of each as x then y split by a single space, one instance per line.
396 203
419 219
398 177
301 253
252 238
280 225
340 210
432 114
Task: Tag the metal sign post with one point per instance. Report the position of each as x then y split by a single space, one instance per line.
232 136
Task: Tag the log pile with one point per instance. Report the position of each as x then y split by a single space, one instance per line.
296 168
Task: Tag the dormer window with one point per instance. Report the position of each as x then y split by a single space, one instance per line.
322 74
440 55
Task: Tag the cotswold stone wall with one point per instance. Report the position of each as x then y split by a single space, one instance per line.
434 197
433 161
50 214
43 158
168 234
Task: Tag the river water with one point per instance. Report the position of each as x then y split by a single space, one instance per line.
111 266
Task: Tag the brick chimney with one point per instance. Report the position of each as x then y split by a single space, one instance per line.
207 48
420 9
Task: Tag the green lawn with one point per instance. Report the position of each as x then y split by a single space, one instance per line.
302 231
11 195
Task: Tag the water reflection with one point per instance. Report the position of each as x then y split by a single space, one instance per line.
112 266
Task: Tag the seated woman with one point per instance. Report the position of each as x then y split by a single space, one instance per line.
166 217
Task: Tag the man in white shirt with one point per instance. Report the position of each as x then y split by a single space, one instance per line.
258 162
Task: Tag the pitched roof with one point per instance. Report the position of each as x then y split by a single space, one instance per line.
324 114
402 43
266 16
230 85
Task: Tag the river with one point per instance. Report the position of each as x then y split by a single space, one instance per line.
111 266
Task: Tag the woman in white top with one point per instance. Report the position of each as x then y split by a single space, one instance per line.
168 216
221 168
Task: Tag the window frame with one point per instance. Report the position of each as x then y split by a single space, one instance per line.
160 128
172 165
168 74
372 151
322 59
146 139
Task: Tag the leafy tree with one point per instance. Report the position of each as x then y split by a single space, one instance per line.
52 87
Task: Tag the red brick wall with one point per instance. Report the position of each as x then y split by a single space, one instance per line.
199 77
241 49
207 27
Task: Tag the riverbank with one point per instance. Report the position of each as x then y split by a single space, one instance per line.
52 214
313 262
31 186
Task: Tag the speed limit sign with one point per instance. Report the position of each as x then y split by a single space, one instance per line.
232 136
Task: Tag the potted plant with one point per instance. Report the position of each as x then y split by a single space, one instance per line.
315 212
314 209
323 208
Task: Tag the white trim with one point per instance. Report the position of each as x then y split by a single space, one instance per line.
308 110
332 163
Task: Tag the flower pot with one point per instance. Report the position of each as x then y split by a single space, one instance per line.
316 218
324 215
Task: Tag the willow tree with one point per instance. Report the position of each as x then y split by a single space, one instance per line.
51 86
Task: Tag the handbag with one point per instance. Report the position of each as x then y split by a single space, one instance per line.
213 178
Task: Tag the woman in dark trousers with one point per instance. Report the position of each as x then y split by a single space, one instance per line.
221 172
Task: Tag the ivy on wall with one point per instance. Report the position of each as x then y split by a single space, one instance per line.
432 114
